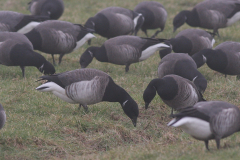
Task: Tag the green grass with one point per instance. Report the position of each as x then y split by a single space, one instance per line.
41 126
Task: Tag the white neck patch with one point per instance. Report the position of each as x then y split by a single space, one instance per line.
124 103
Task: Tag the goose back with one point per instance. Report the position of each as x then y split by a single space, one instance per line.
215 14
124 50
154 14
52 8
199 39
187 94
232 52
224 118
7 41
57 37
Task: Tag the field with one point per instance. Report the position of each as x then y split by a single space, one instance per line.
41 126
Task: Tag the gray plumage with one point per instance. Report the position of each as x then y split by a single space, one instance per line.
189 41
52 8
187 94
58 37
177 92
123 50
17 50
224 58
2 117
155 16
115 21
89 86
209 120
183 65
13 21
210 14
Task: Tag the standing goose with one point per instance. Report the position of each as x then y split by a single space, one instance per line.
115 21
58 37
189 41
154 14
52 8
208 120
183 65
123 50
175 91
89 86
210 14
225 58
17 50
2 117
18 22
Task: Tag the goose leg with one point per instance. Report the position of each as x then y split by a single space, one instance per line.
145 31
215 31
85 108
89 42
156 33
79 106
206 144
171 115
127 67
225 76
238 77
23 70
53 60
60 58
217 142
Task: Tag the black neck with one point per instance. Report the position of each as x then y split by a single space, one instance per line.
166 88
101 25
115 93
181 45
35 38
101 54
192 18
148 17
24 56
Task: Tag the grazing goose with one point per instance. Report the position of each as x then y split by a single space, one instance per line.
18 22
175 91
115 21
154 14
17 50
2 117
58 37
123 50
189 41
52 8
89 86
183 65
225 58
208 120
210 14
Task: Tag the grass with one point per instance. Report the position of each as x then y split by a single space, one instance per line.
41 126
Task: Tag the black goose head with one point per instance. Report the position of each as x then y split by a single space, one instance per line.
149 93
90 23
179 20
130 108
200 82
87 56
47 68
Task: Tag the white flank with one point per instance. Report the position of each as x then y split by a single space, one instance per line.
136 19
195 127
234 19
213 41
56 90
151 50
84 39
28 27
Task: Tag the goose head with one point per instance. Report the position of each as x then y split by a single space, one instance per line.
47 68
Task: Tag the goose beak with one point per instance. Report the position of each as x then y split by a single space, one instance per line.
134 121
146 105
